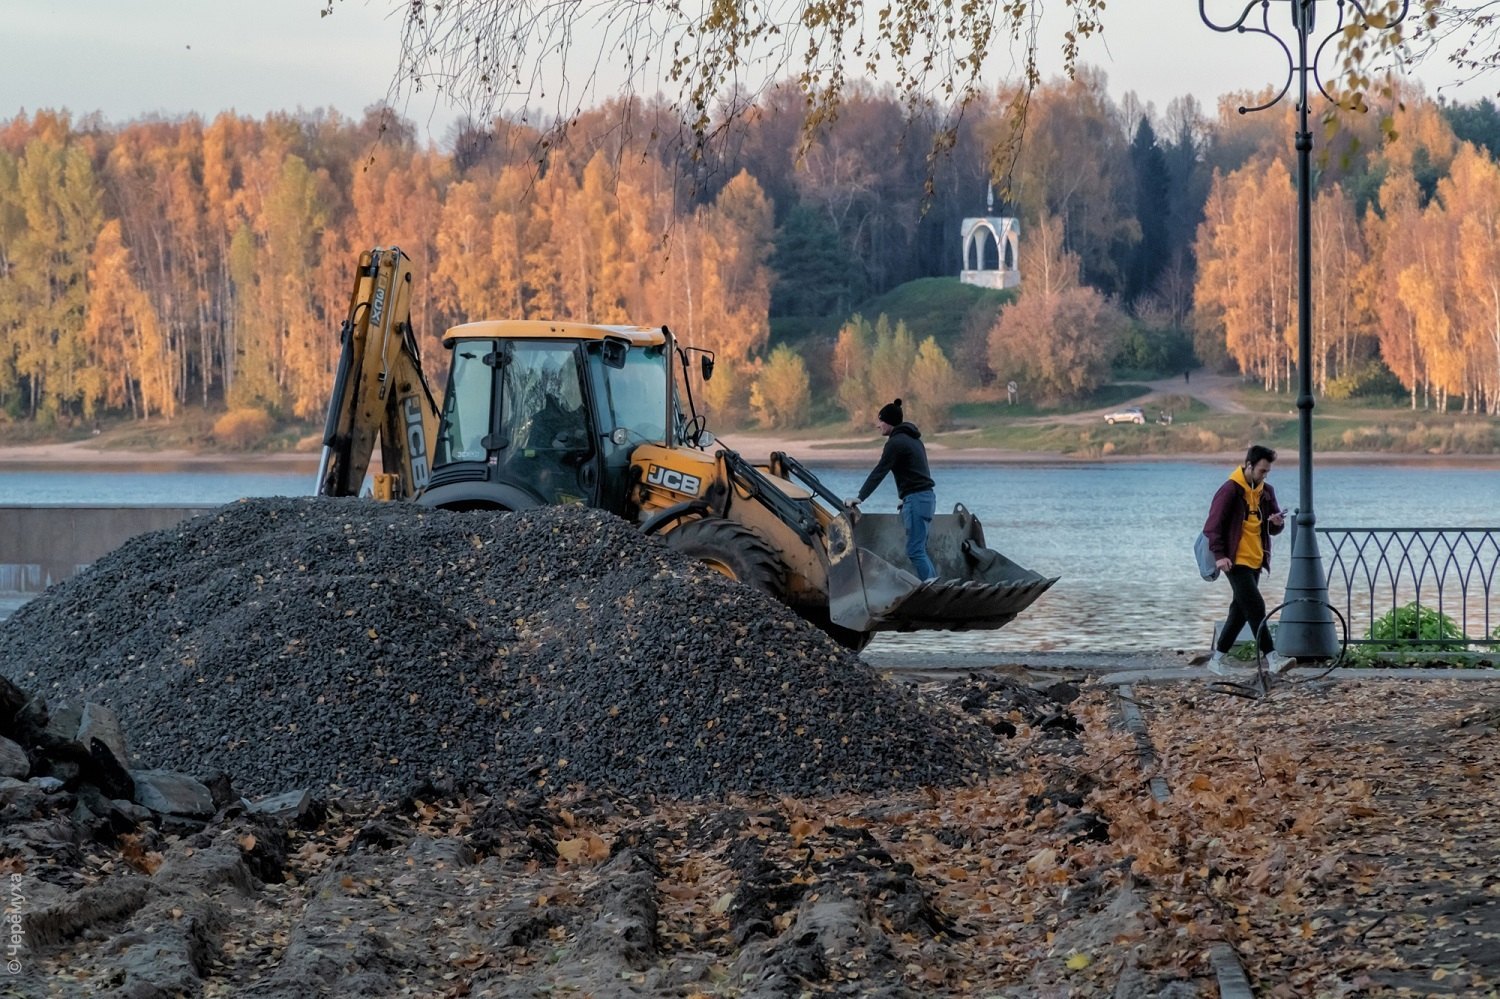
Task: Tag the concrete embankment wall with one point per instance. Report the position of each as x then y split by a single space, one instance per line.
41 545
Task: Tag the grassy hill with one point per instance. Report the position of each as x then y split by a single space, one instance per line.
936 307
930 307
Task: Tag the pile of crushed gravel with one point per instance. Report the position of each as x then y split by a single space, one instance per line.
311 642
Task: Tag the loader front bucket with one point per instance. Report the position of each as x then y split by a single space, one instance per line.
872 588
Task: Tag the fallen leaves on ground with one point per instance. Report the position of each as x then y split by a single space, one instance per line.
1339 836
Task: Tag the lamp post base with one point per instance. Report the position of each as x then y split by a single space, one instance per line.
1306 631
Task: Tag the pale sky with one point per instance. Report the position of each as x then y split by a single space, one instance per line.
127 58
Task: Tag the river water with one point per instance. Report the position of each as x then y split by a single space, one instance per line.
1118 534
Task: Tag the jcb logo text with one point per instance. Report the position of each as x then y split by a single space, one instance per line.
416 442
658 476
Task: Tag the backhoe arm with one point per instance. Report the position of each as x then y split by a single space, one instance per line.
379 389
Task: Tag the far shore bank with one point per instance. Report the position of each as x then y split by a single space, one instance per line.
845 451
841 452
84 455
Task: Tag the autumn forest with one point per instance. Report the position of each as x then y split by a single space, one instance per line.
159 265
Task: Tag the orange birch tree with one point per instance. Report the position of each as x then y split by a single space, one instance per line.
1471 194
132 365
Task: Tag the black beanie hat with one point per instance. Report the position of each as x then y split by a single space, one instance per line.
891 413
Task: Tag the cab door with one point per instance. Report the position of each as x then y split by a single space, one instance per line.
549 447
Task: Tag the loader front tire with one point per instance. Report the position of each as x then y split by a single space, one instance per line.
730 550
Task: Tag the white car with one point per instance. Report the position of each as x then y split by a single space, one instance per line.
1130 414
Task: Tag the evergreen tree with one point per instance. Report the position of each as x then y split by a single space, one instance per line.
814 273
1478 123
1153 210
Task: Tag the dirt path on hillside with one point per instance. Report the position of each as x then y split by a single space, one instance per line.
1214 391
1217 392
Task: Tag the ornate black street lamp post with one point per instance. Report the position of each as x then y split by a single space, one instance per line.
1306 630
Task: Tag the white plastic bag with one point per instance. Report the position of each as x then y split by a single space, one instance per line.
1207 565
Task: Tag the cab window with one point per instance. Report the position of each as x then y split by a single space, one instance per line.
466 406
542 398
636 394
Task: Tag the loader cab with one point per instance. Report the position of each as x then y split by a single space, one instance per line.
543 414
518 410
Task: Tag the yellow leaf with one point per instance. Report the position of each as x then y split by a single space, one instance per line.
583 849
803 828
1079 961
1044 859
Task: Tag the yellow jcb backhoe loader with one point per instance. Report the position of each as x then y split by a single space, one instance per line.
558 412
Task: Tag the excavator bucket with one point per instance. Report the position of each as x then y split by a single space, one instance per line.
872 588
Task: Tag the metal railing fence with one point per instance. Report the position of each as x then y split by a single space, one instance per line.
1452 571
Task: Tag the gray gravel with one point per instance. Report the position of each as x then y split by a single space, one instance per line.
307 642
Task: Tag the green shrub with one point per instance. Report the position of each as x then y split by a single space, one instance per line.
1371 379
1415 623
1154 352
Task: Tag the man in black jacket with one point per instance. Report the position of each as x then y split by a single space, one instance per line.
905 457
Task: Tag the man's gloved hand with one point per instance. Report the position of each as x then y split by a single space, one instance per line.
852 503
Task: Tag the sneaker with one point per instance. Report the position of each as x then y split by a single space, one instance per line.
1280 663
1217 666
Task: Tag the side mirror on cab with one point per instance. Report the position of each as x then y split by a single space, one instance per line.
613 352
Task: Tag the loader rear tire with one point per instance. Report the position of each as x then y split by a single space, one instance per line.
730 550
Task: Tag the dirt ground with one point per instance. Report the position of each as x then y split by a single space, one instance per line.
1339 836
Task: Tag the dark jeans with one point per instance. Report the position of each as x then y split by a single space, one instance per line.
1248 607
917 510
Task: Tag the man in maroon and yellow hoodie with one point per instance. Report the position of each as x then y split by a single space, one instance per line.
1241 520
